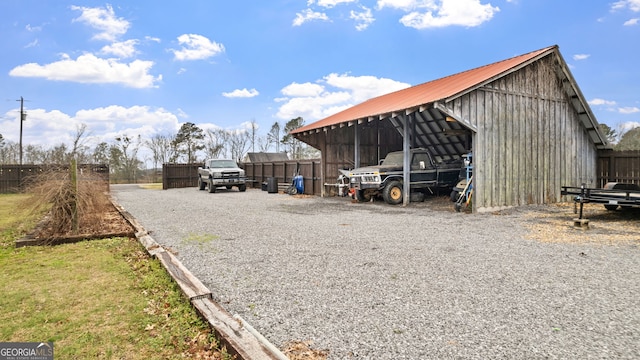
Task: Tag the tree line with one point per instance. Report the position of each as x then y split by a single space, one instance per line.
131 157
624 140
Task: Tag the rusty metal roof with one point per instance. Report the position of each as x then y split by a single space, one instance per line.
441 89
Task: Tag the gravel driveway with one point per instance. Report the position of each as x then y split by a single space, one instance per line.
373 281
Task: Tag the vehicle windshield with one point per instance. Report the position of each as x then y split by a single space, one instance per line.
219 164
393 159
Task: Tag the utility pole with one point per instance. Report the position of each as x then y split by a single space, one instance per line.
23 117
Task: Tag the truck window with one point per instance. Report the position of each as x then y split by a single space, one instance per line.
418 158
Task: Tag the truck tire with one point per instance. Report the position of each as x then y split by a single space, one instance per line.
611 207
201 184
392 193
212 188
242 188
363 196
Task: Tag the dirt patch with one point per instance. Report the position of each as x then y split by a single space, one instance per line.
107 223
301 350
555 223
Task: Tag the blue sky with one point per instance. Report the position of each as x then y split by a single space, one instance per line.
145 67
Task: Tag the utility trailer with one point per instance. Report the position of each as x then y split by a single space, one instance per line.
612 195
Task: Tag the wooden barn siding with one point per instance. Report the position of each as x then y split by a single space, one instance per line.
529 141
377 138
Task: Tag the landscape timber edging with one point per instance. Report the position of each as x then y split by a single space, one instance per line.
238 340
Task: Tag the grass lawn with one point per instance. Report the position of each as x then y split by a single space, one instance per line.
100 299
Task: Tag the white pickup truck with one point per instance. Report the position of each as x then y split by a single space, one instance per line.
221 172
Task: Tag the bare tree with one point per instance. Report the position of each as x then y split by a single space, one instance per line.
35 154
238 144
294 145
124 156
273 137
253 134
101 153
9 153
263 144
79 149
161 150
214 142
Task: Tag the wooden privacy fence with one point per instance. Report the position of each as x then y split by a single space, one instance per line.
618 166
284 171
14 177
186 175
179 175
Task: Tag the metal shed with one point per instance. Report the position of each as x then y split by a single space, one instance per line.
526 121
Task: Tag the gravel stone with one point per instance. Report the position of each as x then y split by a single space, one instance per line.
374 281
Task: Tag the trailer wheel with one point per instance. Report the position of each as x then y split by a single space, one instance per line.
242 188
392 193
611 207
454 196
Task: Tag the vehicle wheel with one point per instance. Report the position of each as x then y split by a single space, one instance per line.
242 188
228 187
291 190
212 188
454 196
363 196
611 207
392 193
201 184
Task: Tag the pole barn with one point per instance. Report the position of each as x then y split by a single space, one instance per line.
525 120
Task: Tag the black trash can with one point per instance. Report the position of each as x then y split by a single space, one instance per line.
272 185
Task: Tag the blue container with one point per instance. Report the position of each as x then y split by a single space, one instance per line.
298 182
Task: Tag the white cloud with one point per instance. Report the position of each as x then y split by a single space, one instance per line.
363 18
313 101
90 69
468 13
196 47
627 126
309 15
629 110
598 102
302 90
104 20
244 93
151 38
31 44
578 57
631 22
51 128
405 5
332 3
33 28
122 50
633 5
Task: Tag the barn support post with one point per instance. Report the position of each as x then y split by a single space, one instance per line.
406 172
356 145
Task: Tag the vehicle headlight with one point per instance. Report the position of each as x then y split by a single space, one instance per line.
217 174
353 179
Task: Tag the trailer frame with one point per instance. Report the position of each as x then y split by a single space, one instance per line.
612 195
